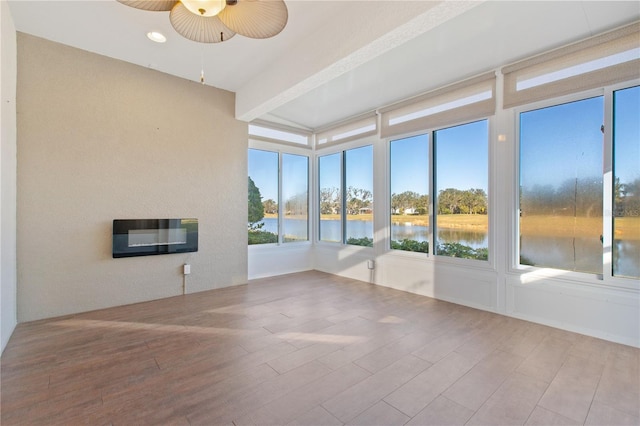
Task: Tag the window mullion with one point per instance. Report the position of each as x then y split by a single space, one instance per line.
343 198
433 205
607 187
280 201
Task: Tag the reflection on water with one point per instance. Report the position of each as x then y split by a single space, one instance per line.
469 238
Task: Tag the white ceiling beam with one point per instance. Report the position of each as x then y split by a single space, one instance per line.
365 30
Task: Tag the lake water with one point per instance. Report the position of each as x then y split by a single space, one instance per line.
579 254
330 231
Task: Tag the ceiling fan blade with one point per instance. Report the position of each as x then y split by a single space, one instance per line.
255 18
152 5
202 29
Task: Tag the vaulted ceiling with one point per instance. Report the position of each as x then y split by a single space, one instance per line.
334 59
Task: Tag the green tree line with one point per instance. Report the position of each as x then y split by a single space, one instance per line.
450 201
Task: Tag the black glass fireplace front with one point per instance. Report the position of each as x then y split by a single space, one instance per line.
145 237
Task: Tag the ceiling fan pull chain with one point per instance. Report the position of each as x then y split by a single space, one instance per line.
202 62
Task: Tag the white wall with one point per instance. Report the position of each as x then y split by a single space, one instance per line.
8 71
267 260
102 139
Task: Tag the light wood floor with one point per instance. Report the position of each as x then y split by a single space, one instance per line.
312 349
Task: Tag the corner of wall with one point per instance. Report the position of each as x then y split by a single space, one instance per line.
8 139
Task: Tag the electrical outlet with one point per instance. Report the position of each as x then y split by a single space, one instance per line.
186 269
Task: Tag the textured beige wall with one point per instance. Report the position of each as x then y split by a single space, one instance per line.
100 139
8 173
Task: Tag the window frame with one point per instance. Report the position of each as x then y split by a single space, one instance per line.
434 200
330 149
281 149
532 273
388 193
607 216
484 265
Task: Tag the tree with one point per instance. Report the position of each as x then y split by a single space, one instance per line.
256 209
627 198
270 206
449 201
329 200
422 206
477 201
403 201
358 199
297 205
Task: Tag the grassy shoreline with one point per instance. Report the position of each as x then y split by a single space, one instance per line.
627 228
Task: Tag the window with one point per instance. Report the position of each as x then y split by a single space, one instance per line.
295 194
356 128
350 210
561 186
263 196
358 165
450 176
269 133
409 175
274 215
579 168
329 176
461 180
626 183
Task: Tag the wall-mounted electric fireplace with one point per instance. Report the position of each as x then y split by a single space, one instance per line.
145 237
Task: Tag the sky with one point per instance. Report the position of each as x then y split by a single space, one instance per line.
565 141
263 169
561 142
462 159
359 169
294 166
557 143
627 134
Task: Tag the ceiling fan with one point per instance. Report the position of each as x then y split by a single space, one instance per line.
214 21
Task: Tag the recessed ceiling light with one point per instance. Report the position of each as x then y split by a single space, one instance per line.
156 36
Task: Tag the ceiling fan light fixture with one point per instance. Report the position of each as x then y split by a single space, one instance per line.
203 29
214 21
204 7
